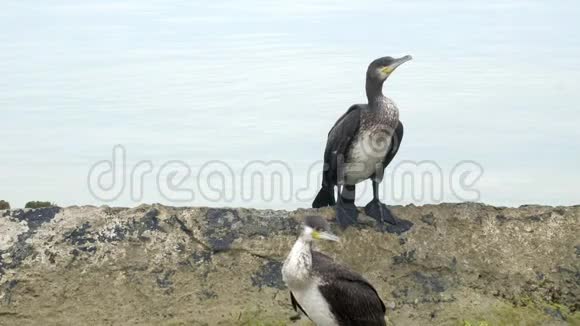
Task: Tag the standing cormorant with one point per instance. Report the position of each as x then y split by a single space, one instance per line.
360 145
328 293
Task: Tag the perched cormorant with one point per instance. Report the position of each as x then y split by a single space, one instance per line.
360 145
328 293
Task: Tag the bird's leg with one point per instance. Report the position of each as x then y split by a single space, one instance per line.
378 210
381 213
346 212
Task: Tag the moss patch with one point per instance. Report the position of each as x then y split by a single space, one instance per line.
4 204
39 204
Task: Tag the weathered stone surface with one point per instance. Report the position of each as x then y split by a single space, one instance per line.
158 265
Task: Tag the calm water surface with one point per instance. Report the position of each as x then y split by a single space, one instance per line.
494 82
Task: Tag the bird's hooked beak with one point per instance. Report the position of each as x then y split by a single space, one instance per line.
390 68
324 236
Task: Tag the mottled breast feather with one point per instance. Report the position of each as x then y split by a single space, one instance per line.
359 123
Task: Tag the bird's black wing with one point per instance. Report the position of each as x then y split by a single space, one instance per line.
339 140
296 305
352 299
395 144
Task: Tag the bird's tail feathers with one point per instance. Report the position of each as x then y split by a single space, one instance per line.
324 198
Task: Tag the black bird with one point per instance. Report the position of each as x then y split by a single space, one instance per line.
360 145
325 291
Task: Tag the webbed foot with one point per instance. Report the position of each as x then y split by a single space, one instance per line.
379 212
382 214
346 215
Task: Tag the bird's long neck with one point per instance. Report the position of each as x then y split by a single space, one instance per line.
374 90
299 261
302 251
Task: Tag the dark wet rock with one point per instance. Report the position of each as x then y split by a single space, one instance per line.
16 254
560 211
453 264
540 276
174 220
401 227
500 218
556 313
7 290
538 217
430 283
206 294
21 249
149 221
80 236
405 257
19 253
219 232
154 264
113 234
50 256
219 244
35 217
201 256
164 279
270 275
428 219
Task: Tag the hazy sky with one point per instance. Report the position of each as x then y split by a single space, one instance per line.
494 82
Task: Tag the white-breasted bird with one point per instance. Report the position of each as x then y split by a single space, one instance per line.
328 293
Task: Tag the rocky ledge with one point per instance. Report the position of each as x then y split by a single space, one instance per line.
460 264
